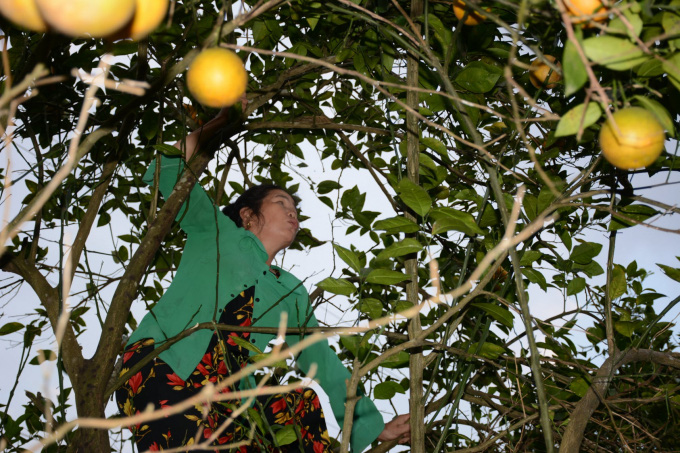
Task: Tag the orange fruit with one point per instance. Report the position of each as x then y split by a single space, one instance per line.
23 13
586 11
638 142
148 16
473 17
83 18
540 73
217 78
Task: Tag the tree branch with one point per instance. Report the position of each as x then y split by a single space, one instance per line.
573 435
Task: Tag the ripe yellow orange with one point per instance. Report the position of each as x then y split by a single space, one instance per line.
24 13
639 141
538 73
586 11
148 15
82 18
473 17
217 78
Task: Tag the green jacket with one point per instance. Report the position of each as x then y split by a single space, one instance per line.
204 284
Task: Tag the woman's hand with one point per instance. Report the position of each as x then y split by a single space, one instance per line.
205 133
398 428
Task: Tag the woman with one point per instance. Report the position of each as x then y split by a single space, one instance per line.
226 275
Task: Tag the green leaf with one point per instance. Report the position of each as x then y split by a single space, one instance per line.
435 144
614 53
591 269
638 212
399 360
536 277
488 350
671 25
401 248
650 68
670 272
529 257
672 68
337 286
578 119
625 328
349 257
286 435
659 112
351 343
479 77
398 224
576 285
575 75
260 357
386 277
617 25
327 186
372 307
10 327
245 344
617 285
447 219
168 150
414 196
500 314
580 387
584 253
386 390
254 415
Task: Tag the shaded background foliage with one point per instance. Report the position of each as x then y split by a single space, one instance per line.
339 95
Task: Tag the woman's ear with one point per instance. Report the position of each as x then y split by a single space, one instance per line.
246 215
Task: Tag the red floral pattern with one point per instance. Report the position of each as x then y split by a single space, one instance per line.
156 383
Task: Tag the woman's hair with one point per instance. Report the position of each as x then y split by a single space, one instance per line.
252 199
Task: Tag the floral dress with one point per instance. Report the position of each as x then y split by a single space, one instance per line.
157 384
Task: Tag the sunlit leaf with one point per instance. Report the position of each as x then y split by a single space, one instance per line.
578 119
576 285
617 286
398 224
386 277
575 75
447 219
337 286
386 390
414 196
371 306
408 245
615 53
286 435
670 272
348 256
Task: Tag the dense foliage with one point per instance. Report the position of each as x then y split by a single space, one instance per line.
331 82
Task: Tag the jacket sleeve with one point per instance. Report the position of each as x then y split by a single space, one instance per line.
333 377
198 213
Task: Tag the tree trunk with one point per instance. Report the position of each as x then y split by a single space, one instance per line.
90 403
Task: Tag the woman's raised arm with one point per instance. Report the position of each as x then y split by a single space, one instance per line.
204 134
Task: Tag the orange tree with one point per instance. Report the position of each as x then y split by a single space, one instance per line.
467 163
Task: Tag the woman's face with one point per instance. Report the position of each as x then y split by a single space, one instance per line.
277 224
